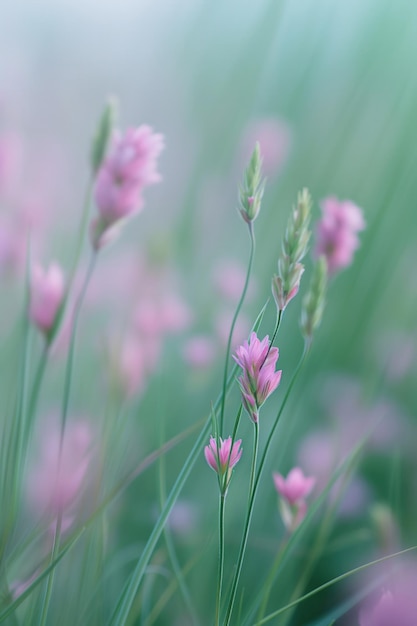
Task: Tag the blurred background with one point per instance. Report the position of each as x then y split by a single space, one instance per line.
330 91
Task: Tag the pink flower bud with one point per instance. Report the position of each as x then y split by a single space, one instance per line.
46 295
259 378
224 458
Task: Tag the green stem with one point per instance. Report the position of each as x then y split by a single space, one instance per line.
277 325
48 591
71 353
255 489
171 548
232 327
254 457
221 557
40 370
270 580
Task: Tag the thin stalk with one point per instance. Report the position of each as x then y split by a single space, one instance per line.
71 352
274 334
270 580
222 503
232 327
48 591
255 489
254 457
40 370
171 548
80 241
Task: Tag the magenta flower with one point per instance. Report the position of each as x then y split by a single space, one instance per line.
46 296
130 166
293 491
259 378
337 232
222 460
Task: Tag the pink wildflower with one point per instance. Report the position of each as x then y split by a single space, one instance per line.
130 166
46 296
222 460
337 232
56 479
259 378
295 487
293 491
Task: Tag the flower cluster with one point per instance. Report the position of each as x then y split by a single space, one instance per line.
259 378
130 166
337 232
293 491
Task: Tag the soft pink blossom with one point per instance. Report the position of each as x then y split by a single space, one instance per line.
58 475
397 601
295 487
46 295
293 491
337 232
199 351
274 138
218 458
10 162
130 166
13 244
259 378
134 360
229 278
223 323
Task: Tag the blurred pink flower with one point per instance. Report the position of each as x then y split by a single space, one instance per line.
199 351
274 138
10 162
397 604
174 313
337 232
46 295
55 480
259 378
223 459
13 243
130 166
295 487
134 360
183 518
223 323
229 278
293 491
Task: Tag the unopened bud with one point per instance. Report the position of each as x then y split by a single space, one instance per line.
102 135
286 283
313 303
252 190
